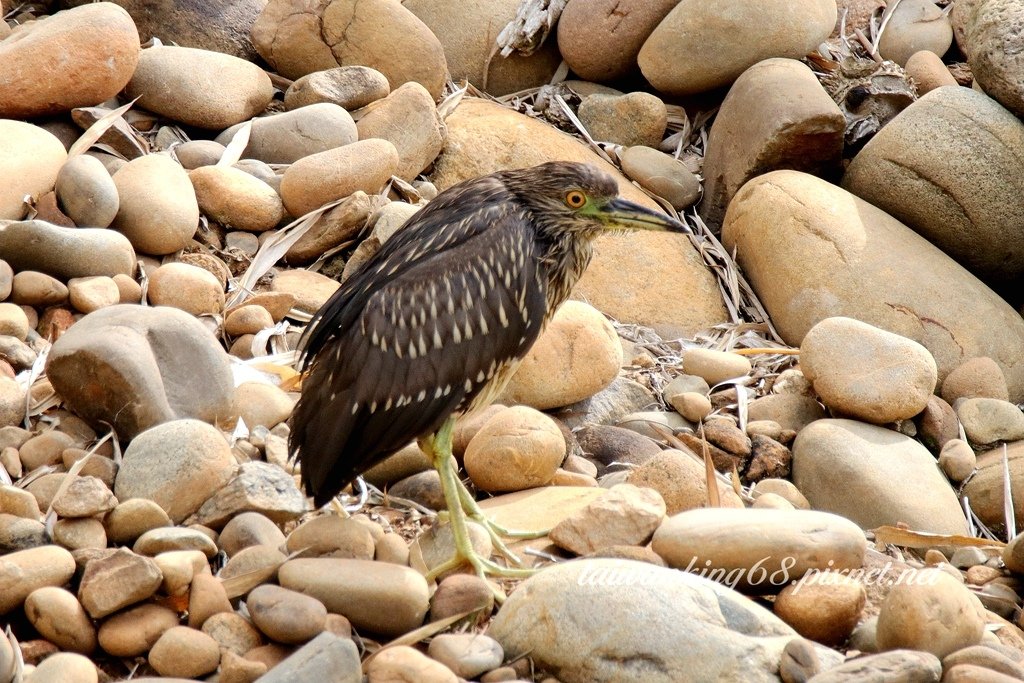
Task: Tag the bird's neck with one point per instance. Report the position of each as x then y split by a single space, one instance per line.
564 263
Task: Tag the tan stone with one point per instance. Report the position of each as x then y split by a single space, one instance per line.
985 488
79 57
865 372
324 177
88 294
190 288
975 378
747 33
760 550
601 40
850 252
915 25
376 596
797 125
407 119
928 71
350 87
681 480
519 448
823 607
86 192
875 477
184 652
236 199
628 515
32 158
202 88
297 40
24 571
59 617
956 181
468 31
576 356
158 211
933 612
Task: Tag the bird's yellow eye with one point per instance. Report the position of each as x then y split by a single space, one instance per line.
575 199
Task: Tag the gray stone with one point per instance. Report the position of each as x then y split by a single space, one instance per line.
948 168
65 252
350 87
897 665
987 420
874 476
776 115
327 658
258 487
289 136
177 464
569 619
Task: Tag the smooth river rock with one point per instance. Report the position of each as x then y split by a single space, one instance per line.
678 58
467 31
759 551
874 476
797 126
948 166
199 87
863 372
76 58
66 253
857 261
135 367
569 618
30 159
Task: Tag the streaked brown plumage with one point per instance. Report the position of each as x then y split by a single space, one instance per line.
434 324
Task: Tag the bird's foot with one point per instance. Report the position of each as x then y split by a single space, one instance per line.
494 530
461 507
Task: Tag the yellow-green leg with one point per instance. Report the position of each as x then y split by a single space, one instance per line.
439 448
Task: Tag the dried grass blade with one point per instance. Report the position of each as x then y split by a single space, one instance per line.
413 637
235 148
1008 514
919 539
714 499
274 248
96 130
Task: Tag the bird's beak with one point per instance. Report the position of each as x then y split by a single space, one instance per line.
626 214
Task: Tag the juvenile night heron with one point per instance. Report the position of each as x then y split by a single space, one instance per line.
433 326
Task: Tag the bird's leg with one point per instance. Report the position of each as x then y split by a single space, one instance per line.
439 448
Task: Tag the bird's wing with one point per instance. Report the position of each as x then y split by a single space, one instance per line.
452 219
423 345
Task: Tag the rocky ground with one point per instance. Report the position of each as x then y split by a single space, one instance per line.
809 404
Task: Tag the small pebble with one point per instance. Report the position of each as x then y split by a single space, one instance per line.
284 615
183 652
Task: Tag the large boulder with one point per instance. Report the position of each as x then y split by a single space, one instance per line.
812 251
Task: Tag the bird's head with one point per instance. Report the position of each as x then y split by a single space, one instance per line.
580 198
